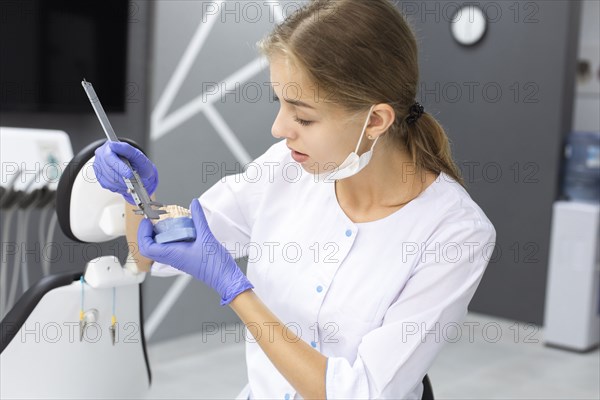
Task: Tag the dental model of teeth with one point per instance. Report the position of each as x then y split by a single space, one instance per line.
176 225
173 211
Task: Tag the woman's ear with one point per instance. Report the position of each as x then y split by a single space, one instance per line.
382 118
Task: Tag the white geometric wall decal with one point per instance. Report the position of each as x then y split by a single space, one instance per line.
161 124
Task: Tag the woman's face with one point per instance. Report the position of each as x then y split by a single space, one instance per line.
311 125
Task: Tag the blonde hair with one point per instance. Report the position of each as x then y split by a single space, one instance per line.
360 53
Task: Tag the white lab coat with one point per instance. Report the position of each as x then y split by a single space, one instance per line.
379 299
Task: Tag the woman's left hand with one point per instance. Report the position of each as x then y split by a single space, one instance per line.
205 258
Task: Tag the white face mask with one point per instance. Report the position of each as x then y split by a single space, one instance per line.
353 164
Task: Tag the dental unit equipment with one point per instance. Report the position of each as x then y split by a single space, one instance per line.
70 329
31 166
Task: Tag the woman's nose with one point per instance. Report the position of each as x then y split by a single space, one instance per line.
281 130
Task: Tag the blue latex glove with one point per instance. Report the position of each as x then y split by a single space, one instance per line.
205 258
110 169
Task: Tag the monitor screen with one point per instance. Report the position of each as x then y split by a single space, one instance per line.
47 47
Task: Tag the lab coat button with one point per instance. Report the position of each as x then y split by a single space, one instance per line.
348 233
313 344
319 288
287 396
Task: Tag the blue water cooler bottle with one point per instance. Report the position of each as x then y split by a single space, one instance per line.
581 171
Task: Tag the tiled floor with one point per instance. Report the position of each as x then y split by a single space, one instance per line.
495 359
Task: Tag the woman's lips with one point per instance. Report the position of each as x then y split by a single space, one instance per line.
299 157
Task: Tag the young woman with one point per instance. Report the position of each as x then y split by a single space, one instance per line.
364 248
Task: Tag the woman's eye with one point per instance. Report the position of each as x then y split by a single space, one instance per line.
298 120
302 122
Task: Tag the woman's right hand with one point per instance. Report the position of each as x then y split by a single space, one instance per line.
110 169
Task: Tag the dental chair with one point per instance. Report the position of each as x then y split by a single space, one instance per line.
57 341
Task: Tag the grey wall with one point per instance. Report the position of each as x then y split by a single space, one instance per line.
531 55
84 129
513 145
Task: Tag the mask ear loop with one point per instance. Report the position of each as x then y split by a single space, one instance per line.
376 139
364 129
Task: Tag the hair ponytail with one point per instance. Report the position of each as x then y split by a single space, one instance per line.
429 146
